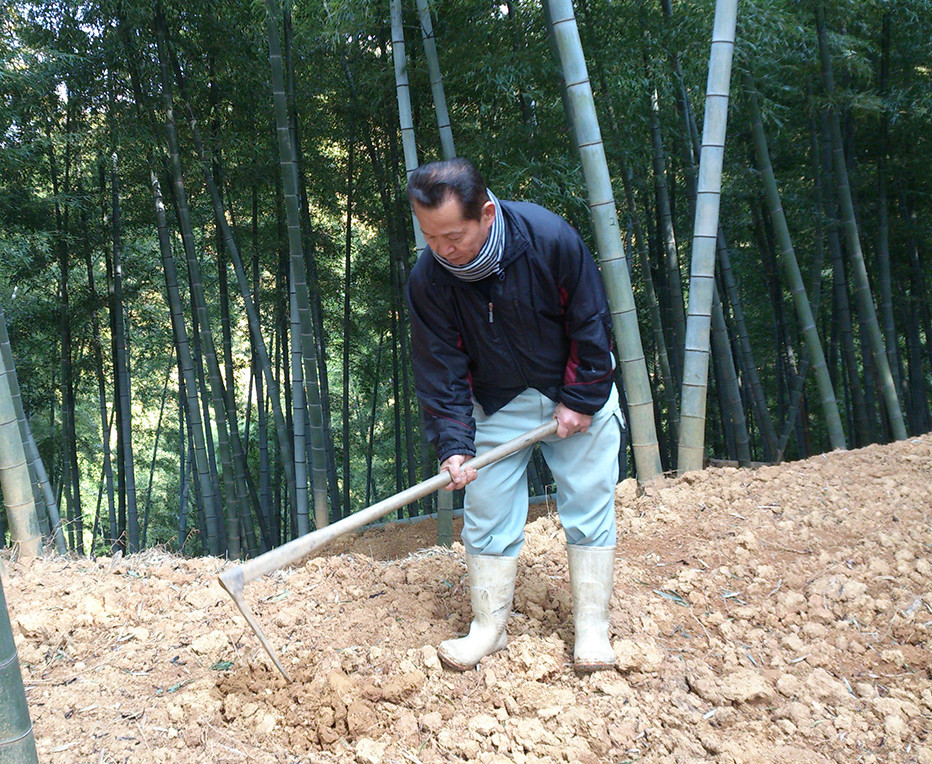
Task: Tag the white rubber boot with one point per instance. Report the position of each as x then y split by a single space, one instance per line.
491 591
592 570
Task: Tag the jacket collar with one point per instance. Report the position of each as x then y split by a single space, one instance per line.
516 245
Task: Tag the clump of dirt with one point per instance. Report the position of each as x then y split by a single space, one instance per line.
780 614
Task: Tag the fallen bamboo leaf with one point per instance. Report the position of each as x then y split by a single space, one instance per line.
173 688
677 598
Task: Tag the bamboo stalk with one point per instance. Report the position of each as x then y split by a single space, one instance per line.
705 231
17 742
614 265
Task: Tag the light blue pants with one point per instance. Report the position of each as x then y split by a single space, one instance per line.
584 466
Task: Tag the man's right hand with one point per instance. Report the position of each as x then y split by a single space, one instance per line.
458 477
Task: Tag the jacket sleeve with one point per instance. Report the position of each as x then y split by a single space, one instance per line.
589 371
441 373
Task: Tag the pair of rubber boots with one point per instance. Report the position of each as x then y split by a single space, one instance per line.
491 590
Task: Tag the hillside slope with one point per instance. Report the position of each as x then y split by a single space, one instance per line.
781 614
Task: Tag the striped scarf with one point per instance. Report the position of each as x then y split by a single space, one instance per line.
488 261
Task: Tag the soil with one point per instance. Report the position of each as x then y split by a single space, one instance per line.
777 614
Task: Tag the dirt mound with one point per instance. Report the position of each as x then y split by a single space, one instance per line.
781 614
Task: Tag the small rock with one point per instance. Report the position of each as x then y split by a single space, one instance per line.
369 751
633 655
266 723
893 656
826 688
468 746
232 705
34 625
214 644
895 726
531 733
789 685
360 716
746 686
538 658
205 596
483 724
342 685
431 722
429 656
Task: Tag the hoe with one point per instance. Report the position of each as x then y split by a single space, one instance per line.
235 579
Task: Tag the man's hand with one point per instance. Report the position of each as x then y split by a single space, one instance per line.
458 477
570 422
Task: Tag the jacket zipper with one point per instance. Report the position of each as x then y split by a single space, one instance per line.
506 342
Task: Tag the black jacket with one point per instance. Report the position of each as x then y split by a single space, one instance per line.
543 322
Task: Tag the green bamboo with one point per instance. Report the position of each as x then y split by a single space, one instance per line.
862 425
660 342
317 385
34 459
17 741
298 406
105 426
733 417
436 81
18 499
807 324
348 293
705 232
602 210
688 148
667 235
119 347
70 482
400 263
815 290
252 311
71 474
403 95
727 379
289 170
199 302
883 223
186 366
853 241
750 375
126 474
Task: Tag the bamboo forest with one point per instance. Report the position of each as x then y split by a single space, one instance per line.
205 241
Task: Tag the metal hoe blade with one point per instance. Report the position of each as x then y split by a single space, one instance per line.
235 579
234 586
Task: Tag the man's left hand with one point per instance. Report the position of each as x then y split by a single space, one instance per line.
570 422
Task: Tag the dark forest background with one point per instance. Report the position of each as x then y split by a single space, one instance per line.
177 340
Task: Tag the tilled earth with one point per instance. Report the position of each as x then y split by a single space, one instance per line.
781 614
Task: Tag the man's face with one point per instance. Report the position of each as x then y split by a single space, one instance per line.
450 235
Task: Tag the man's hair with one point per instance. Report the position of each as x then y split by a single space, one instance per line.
430 185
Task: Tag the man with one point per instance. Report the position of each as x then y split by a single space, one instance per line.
510 328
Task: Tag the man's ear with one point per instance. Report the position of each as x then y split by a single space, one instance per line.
489 211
